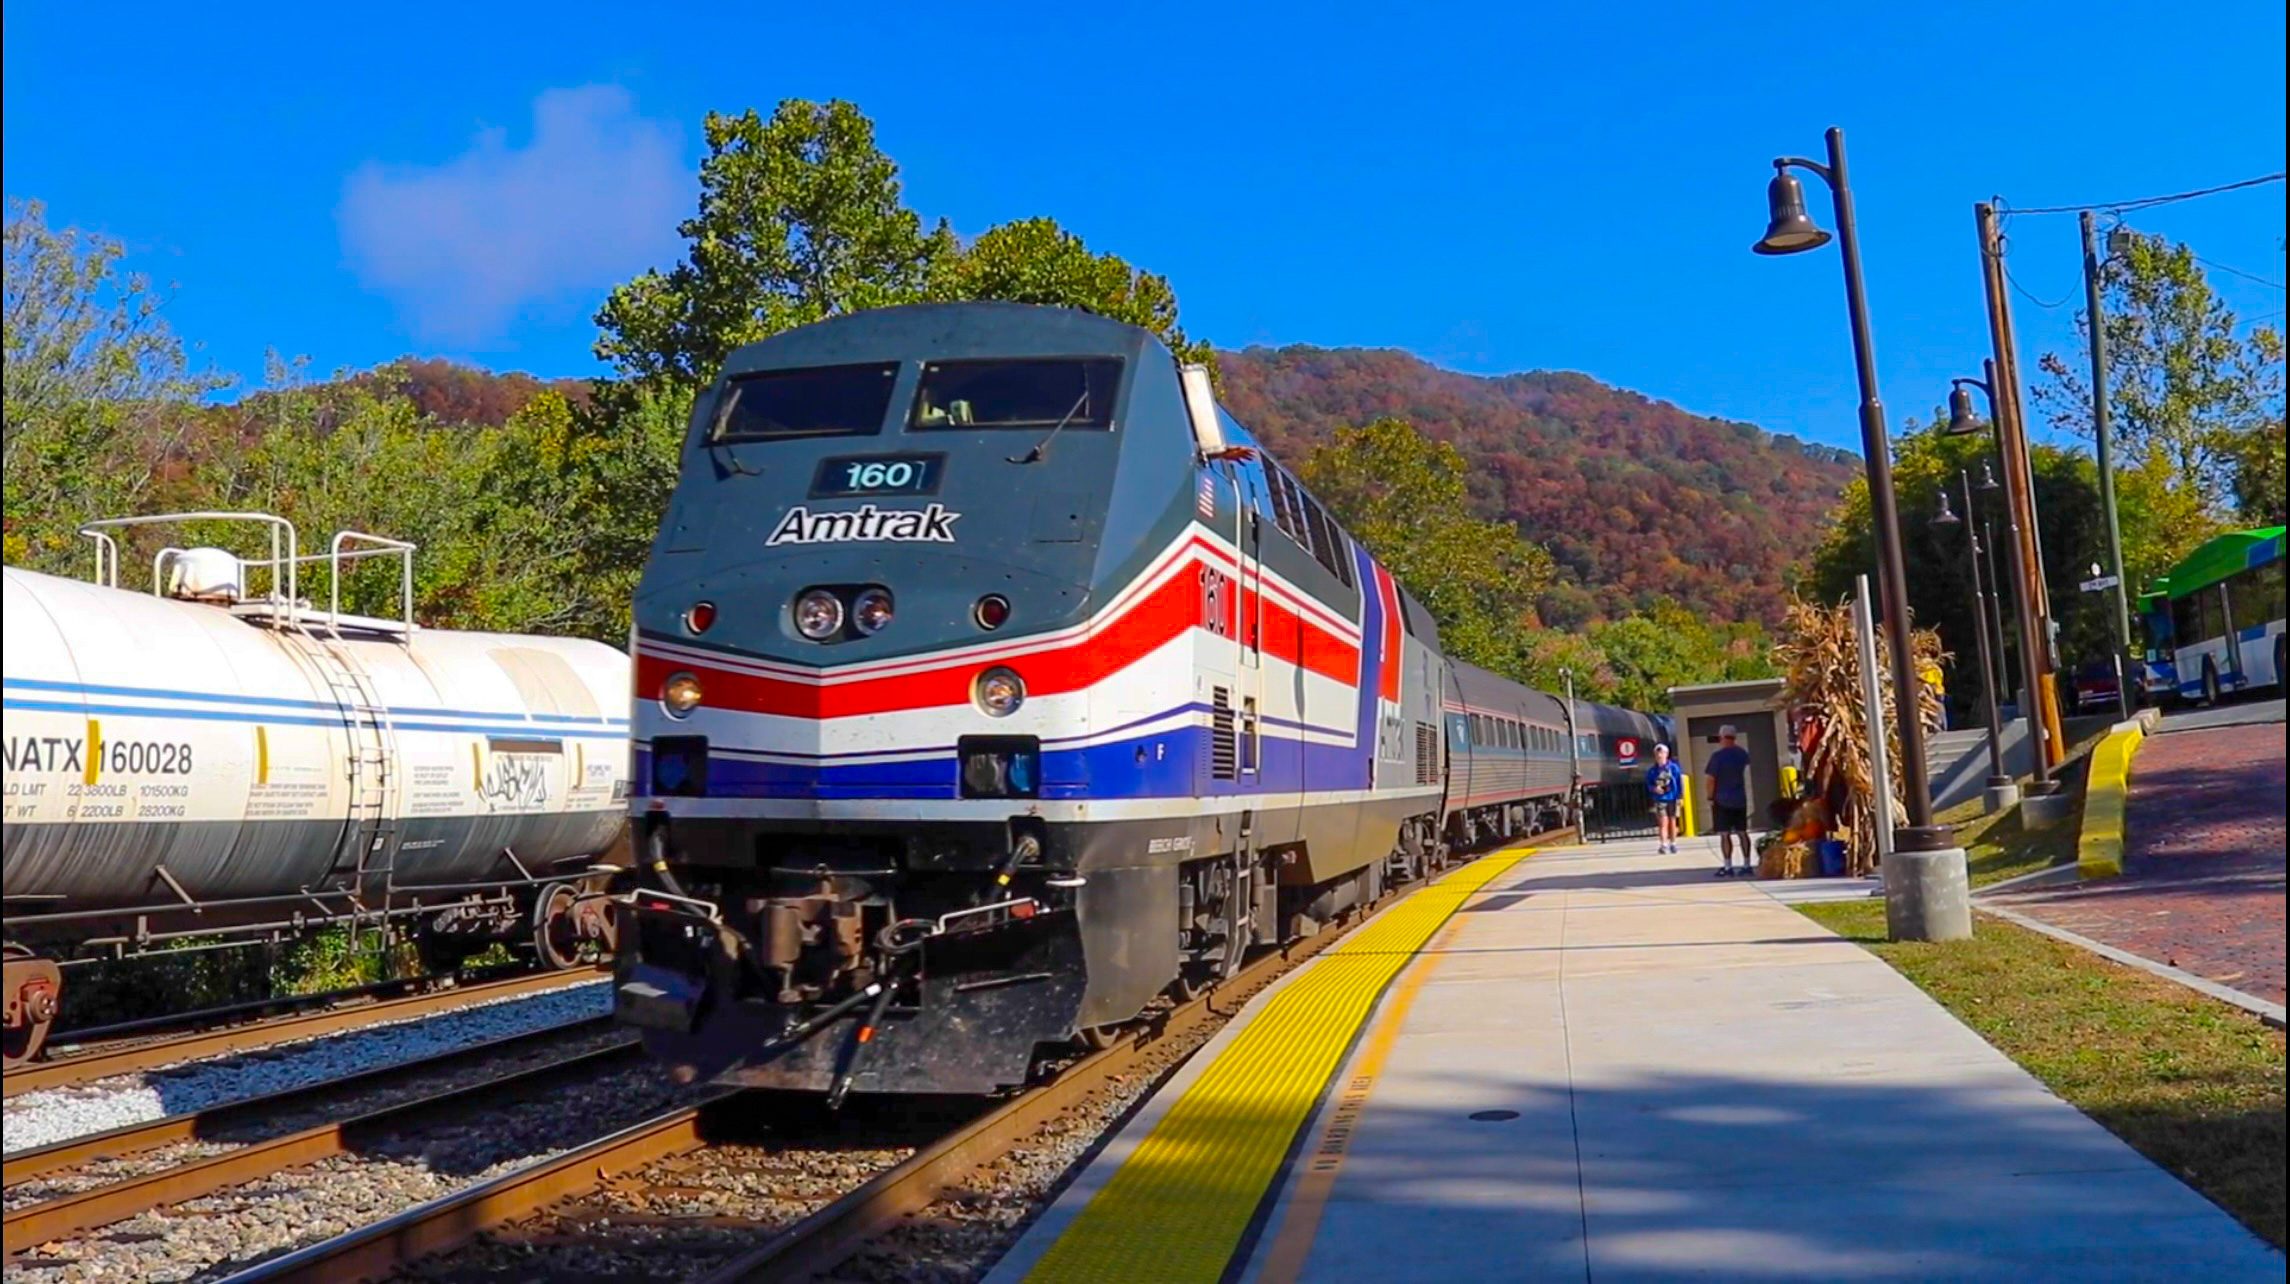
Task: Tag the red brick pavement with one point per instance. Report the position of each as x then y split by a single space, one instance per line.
2203 880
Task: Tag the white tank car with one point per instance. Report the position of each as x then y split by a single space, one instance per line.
276 764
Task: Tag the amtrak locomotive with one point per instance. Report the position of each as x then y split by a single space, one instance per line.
991 682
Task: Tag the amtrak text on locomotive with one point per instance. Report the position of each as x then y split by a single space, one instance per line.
867 524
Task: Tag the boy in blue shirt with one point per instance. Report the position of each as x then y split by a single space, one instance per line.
1666 785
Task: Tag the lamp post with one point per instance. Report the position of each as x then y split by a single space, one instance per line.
1790 231
1573 749
2001 792
1963 423
2097 323
1927 896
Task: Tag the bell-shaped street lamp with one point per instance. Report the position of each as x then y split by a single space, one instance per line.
1788 229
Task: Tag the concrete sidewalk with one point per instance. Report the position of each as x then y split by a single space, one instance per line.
1614 1066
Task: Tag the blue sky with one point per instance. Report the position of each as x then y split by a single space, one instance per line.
1492 187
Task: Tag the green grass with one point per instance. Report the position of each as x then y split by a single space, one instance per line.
1997 848
2189 1082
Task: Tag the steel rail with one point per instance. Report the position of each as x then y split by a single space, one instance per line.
826 1238
130 1139
50 1220
209 1043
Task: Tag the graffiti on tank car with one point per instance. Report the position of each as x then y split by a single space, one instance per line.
516 780
517 774
865 525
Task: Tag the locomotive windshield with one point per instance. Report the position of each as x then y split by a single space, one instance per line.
1077 392
825 401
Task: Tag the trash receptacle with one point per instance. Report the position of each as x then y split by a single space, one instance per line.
1832 858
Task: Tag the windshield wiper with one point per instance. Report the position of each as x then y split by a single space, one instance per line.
1042 447
717 443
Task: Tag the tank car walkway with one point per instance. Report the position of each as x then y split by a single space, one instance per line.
1605 1064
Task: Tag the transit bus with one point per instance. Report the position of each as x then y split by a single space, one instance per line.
2215 622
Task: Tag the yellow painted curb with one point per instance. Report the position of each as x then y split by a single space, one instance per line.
1179 1205
2099 847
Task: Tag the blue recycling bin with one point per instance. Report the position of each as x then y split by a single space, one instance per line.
1832 858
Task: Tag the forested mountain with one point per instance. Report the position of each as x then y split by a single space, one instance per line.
1635 498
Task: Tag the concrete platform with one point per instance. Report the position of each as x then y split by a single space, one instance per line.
1610 1065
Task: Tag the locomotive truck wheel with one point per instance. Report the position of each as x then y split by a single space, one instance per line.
33 988
556 927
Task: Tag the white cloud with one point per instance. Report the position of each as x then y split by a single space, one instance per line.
463 246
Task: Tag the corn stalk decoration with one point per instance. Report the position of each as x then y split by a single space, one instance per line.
1820 659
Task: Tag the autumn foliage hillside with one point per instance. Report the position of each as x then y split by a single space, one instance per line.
1635 498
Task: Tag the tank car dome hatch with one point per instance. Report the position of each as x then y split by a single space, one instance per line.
205 575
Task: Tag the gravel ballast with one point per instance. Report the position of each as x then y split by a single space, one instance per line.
52 1115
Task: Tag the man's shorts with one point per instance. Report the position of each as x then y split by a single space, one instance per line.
1667 809
1729 820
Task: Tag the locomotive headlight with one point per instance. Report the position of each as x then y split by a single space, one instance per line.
872 611
680 694
818 615
999 691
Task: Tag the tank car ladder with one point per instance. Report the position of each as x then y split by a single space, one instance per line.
369 840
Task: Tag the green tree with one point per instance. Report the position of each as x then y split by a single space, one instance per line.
1403 495
350 454
2259 481
2184 380
800 218
1545 658
98 391
1035 261
1670 646
573 497
1926 460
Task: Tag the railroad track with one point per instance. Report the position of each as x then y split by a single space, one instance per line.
106 1060
563 1199
216 1213
266 1148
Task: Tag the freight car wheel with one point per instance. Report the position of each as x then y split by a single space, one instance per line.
33 986
556 926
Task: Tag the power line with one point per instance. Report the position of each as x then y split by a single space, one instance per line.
2235 271
2142 202
2029 295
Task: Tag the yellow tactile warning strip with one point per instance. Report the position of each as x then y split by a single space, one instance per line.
1184 1198
1310 1188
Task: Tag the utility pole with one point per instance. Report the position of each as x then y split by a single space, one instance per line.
2019 489
2100 427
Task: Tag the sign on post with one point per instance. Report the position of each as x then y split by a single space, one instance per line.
2100 585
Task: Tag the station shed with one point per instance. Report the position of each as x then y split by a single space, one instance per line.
1754 708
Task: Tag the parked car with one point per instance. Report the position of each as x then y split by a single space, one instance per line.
2095 686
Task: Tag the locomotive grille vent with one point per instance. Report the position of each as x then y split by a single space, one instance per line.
1426 755
1224 743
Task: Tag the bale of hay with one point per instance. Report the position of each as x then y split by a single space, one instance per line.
1789 860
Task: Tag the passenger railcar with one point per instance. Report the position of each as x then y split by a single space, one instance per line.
991 682
1520 760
